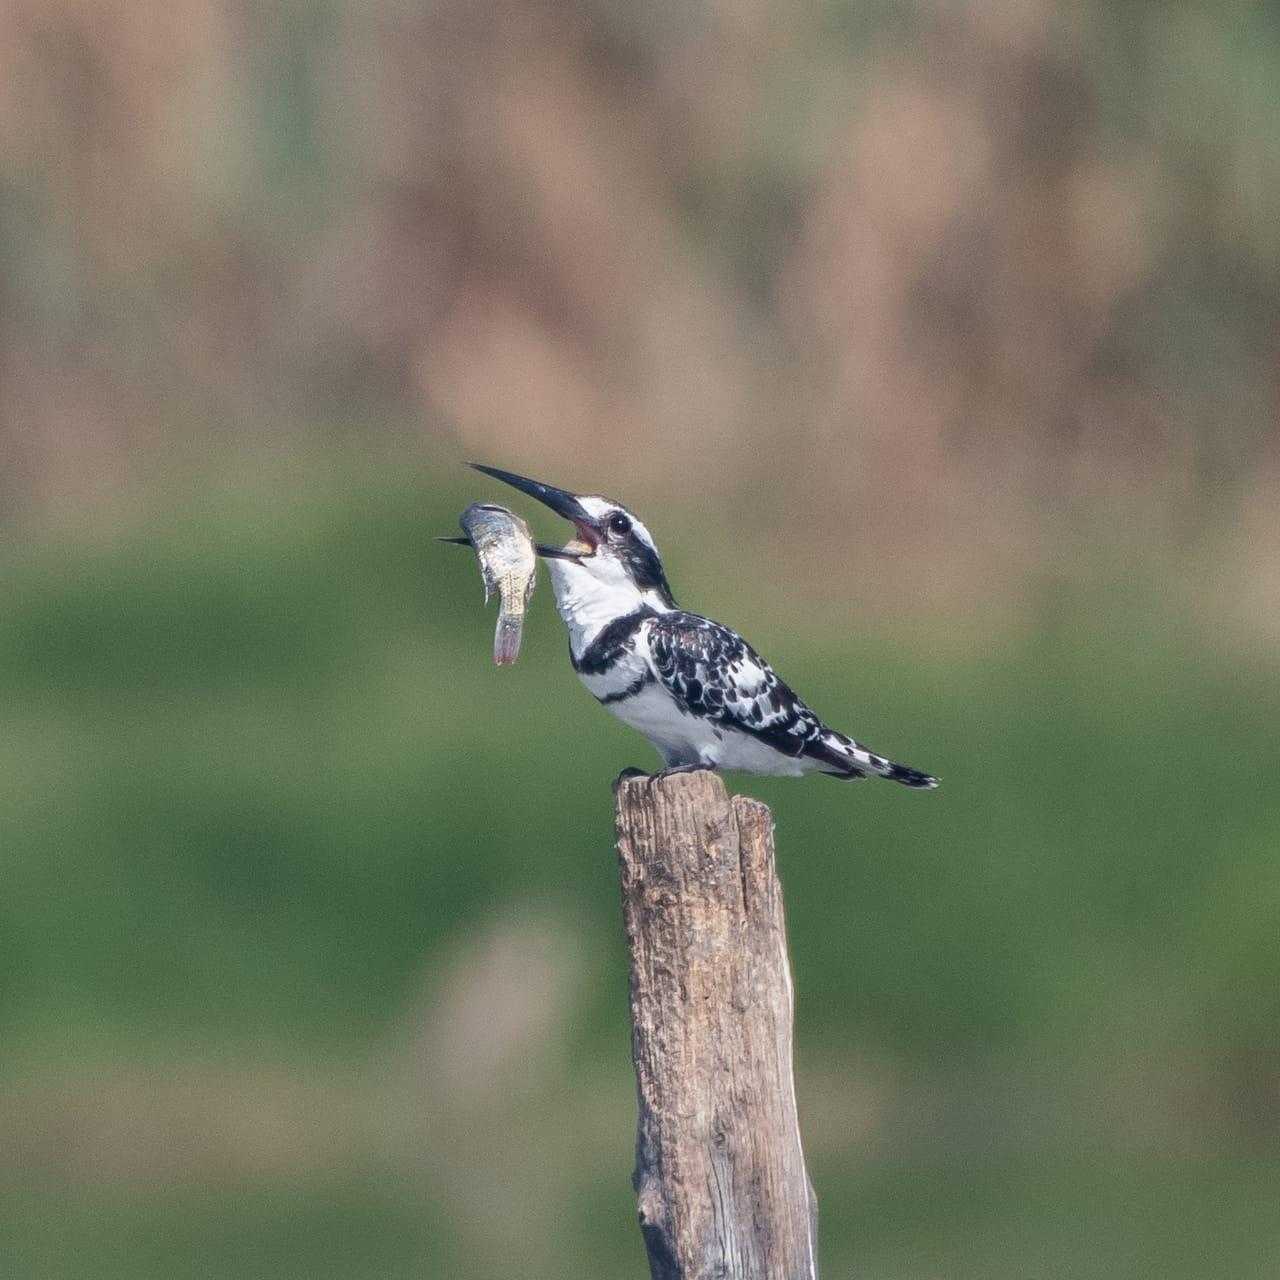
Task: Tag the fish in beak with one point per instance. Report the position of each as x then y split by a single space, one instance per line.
564 504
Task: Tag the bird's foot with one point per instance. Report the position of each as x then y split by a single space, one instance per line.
672 769
629 772
632 772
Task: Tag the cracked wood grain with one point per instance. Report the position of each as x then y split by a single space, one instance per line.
722 1189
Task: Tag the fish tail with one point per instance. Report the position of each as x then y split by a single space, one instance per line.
506 638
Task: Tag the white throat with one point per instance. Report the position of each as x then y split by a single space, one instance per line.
588 599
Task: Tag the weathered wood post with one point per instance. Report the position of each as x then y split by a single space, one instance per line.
723 1191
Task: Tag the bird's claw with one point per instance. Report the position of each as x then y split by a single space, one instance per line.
673 769
670 771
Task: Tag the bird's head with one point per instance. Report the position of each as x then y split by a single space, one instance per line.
611 562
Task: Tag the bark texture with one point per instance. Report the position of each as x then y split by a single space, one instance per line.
723 1191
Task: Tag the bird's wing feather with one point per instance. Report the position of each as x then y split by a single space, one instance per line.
711 671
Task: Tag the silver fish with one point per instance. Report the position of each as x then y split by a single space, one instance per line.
507 563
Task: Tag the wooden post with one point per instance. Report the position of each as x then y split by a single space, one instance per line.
723 1191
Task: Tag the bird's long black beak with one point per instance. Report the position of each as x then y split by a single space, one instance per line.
561 501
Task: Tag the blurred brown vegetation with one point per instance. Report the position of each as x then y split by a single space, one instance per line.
958 279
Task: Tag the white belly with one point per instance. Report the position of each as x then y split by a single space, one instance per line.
652 711
679 737
742 751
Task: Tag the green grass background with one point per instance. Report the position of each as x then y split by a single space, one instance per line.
262 795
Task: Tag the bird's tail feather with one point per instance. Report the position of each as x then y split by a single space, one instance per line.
854 761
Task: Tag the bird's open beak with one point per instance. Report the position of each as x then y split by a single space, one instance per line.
563 503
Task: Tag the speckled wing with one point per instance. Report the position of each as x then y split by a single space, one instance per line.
714 673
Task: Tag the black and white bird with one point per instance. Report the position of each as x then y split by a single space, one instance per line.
697 690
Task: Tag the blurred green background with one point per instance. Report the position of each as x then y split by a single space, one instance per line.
937 342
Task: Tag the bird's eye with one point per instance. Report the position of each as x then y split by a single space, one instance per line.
619 524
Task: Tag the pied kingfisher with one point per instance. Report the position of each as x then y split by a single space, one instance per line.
697 690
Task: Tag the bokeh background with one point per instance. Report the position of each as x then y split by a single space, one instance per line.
936 340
